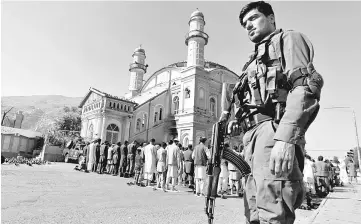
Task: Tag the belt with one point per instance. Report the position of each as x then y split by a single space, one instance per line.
250 122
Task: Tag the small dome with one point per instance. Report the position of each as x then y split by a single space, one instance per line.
197 13
139 49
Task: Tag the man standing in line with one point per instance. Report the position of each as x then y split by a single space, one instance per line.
132 149
150 158
97 154
279 95
188 166
322 173
123 153
200 162
102 158
116 150
173 162
161 166
96 146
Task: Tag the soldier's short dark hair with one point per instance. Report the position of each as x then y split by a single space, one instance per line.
320 158
164 145
126 142
170 142
152 140
261 6
190 146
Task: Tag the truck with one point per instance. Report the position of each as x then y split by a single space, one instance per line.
73 150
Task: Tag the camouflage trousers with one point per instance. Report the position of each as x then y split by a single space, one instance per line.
268 199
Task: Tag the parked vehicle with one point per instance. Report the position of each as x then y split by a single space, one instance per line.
73 150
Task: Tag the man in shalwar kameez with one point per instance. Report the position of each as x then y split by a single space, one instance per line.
91 156
161 166
173 163
150 165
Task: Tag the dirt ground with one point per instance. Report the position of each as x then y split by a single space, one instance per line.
56 193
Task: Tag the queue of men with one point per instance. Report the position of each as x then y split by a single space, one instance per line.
166 165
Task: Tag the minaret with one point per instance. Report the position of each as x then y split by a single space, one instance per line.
196 39
137 70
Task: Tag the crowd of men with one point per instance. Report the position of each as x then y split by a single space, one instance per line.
321 176
166 164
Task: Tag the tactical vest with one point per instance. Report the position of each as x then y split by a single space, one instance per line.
268 86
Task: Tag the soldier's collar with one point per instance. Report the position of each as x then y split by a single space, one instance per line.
267 38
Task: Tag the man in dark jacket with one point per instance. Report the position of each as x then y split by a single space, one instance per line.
199 156
123 153
132 149
102 157
188 166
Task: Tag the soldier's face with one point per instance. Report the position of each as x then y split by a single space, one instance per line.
257 25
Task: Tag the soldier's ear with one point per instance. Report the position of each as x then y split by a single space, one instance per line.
271 19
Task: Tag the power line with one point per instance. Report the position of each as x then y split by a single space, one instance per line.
336 150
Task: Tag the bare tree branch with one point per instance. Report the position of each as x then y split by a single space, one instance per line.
2 120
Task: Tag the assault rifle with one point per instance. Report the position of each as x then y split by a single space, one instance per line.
218 152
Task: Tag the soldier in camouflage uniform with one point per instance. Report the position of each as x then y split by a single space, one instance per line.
275 101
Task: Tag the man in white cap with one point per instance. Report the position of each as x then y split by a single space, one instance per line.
173 162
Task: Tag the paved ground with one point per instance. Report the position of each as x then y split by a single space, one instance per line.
341 206
56 193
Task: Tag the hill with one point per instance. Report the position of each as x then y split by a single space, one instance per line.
38 107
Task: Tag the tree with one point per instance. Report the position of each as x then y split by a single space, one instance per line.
4 115
64 127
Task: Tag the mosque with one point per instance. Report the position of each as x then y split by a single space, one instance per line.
181 100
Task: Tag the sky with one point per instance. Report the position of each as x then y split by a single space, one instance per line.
63 48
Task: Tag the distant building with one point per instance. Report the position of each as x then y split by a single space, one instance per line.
16 141
180 100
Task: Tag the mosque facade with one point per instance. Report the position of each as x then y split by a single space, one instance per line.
181 100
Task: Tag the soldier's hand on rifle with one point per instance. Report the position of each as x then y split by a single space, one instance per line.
282 158
234 128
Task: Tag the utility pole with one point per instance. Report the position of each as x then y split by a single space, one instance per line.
357 139
356 132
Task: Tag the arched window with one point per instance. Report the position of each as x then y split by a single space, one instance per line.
160 113
118 106
155 117
121 106
137 127
110 104
144 120
112 133
175 104
212 106
128 108
90 132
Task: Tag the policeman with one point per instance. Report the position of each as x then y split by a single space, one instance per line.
275 101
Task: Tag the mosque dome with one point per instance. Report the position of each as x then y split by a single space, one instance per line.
197 13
